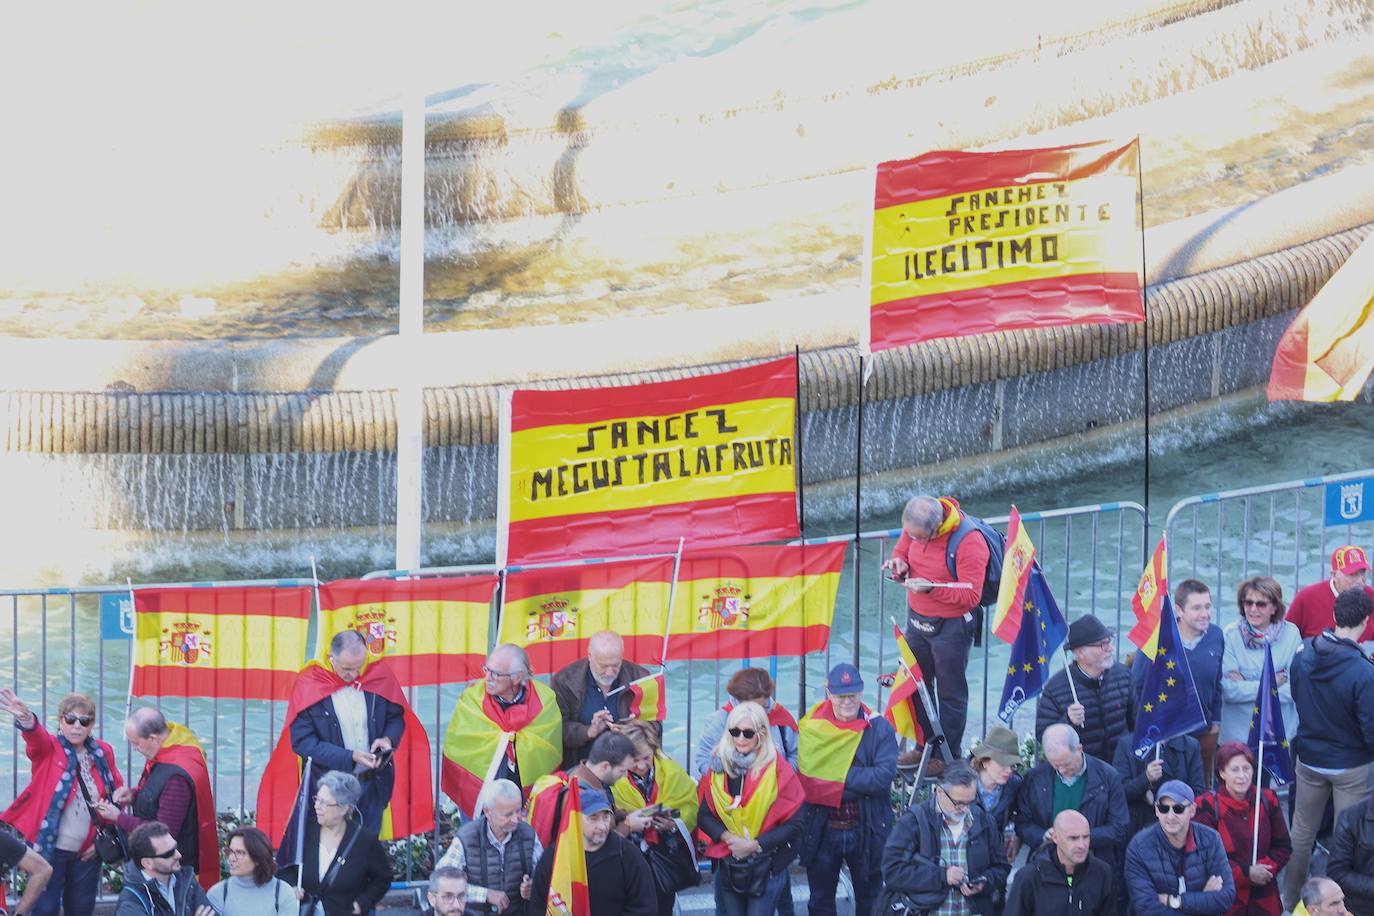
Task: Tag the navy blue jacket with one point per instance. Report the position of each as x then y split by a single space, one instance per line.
914 868
315 733
1104 805
1204 660
1182 760
1333 689
869 782
1153 867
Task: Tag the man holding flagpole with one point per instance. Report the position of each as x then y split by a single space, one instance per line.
591 693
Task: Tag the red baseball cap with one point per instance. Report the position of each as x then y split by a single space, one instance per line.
1348 560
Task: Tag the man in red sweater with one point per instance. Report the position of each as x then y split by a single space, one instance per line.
939 620
1313 608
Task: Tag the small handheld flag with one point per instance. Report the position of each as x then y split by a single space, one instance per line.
1266 726
568 891
902 701
649 698
1169 704
1148 601
1041 631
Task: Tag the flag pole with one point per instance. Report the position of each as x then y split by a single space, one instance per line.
300 818
672 599
858 504
1259 756
1073 688
319 609
133 647
1145 309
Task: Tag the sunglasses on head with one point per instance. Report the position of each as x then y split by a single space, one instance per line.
742 733
1165 808
72 718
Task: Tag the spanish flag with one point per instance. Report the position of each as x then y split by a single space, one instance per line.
903 703
431 631
181 749
825 749
649 698
672 788
770 795
970 243
1017 561
1148 601
481 729
237 643
568 892
1327 352
412 800
553 612
630 469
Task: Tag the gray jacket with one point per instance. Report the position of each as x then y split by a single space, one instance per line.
784 739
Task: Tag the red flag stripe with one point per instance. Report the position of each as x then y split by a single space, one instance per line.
269 602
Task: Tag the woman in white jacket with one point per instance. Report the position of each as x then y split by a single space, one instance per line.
1260 602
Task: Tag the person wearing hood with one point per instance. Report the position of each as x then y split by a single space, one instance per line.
1333 688
1063 876
155 881
940 625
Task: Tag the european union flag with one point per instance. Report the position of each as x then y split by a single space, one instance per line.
1169 705
1266 725
1041 632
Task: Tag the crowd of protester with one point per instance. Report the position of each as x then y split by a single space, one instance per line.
1192 825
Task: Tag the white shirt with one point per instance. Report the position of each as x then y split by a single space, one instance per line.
351 707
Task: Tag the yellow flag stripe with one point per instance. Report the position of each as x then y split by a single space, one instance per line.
221 640
445 627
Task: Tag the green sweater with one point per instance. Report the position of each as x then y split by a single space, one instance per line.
1068 798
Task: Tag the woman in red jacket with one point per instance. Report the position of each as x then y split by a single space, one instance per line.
1230 810
52 812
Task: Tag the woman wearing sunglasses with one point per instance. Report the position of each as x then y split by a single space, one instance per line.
749 804
52 811
1230 810
1261 621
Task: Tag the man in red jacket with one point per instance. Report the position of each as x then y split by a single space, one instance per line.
1313 607
939 621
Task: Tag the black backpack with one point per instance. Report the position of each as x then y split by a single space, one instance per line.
992 577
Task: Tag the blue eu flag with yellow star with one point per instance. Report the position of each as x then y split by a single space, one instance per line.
1037 640
1169 705
1266 725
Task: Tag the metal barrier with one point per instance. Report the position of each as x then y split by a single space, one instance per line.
1279 530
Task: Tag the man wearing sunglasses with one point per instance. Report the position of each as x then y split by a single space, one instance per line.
155 881
1178 866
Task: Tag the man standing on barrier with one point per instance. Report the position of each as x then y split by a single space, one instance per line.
592 696
848 761
173 791
940 622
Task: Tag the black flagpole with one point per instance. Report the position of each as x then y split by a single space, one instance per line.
1145 308
858 504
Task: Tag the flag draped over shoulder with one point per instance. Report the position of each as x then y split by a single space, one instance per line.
649 698
181 749
1148 600
568 891
630 469
480 729
1041 631
1327 352
1169 704
903 704
770 795
239 643
825 749
431 631
975 242
1266 725
672 788
411 809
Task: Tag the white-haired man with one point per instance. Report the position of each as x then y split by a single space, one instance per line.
497 851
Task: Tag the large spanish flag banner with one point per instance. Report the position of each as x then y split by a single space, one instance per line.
431 631
628 470
237 643
969 243
1326 354
553 612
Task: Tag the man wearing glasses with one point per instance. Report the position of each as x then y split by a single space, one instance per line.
848 759
1099 702
946 854
447 890
155 881
1178 866
505 726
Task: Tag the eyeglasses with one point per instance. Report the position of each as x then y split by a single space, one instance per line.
956 805
1165 808
493 673
233 853
325 804
72 718
742 732
1251 602
448 897
163 855
1100 644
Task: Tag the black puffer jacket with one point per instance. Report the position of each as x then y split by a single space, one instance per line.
1108 707
1352 856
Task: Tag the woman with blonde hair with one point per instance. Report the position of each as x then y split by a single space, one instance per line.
748 815
661 790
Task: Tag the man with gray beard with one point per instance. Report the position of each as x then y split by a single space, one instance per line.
587 697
